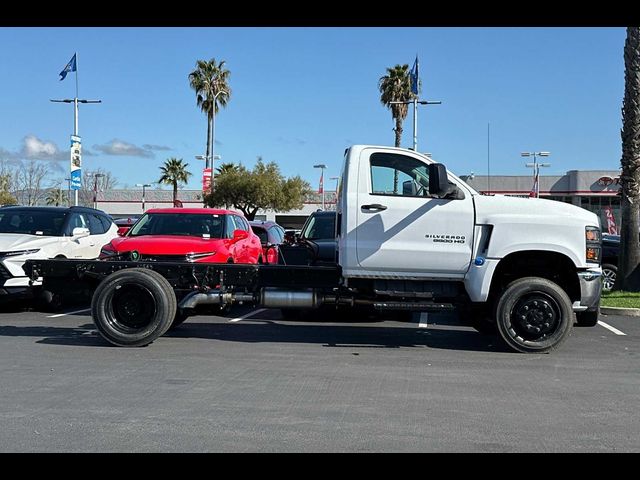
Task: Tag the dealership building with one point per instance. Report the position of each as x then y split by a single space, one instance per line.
594 190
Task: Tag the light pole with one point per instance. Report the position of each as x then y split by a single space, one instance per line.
336 179
321 166
213 135
415 102
75 102
95 188
143 185
536 168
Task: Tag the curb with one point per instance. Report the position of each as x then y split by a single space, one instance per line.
632 312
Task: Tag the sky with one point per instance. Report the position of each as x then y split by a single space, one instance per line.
301 95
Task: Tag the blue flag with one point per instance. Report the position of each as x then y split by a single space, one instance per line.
414 76
71 67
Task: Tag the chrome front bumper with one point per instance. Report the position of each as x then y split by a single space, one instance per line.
590 290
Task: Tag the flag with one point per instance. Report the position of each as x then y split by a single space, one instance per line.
535 190
321 189
414 76
612 228
71 67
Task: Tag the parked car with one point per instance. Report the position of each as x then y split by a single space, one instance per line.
124 224
191 234
271 237
319 232
610 254
47 232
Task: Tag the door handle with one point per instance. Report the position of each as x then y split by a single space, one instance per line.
374 206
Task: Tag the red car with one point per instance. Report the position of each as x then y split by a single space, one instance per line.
191 234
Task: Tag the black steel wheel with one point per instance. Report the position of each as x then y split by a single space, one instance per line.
534 315
133 307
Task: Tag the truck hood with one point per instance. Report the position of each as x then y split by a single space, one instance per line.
20 241
167 244
533 224
542 211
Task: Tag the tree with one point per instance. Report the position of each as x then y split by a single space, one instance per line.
174 172
57 197
226 167
28 182
264 188
395 86
210 80
628 277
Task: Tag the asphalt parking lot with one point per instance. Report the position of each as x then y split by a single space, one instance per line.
253 382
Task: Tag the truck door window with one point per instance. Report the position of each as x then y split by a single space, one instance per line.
394 174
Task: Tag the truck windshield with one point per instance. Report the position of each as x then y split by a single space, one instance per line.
184 224
32 222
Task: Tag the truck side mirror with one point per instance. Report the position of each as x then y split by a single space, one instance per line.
409 188
438 182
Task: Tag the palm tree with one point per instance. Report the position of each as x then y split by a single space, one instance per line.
173 173
210 80
395 86
629 274
227 168
56 196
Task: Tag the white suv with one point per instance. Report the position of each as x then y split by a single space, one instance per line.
47 232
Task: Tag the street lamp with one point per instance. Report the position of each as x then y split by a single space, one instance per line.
95 188
536 168
321 166
415 102
143 185
336 179
213 135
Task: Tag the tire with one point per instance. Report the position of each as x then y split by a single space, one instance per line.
534 315
587 319
609 274
133 307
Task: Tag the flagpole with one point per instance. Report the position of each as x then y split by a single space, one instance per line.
415 124
76 55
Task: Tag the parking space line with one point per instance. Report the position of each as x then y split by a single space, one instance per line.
254 312
609 327
69 313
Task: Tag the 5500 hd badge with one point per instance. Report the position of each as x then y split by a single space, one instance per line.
446 238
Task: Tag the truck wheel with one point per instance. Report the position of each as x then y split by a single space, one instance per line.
587 319
534 315
133 307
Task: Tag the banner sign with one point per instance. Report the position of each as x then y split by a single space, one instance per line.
206 179
76 162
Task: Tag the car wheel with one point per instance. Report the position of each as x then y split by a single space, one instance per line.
609 274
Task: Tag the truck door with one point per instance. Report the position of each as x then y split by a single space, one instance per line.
400 227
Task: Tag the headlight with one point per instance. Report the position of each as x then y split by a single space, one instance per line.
106 251
19 252
593 241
